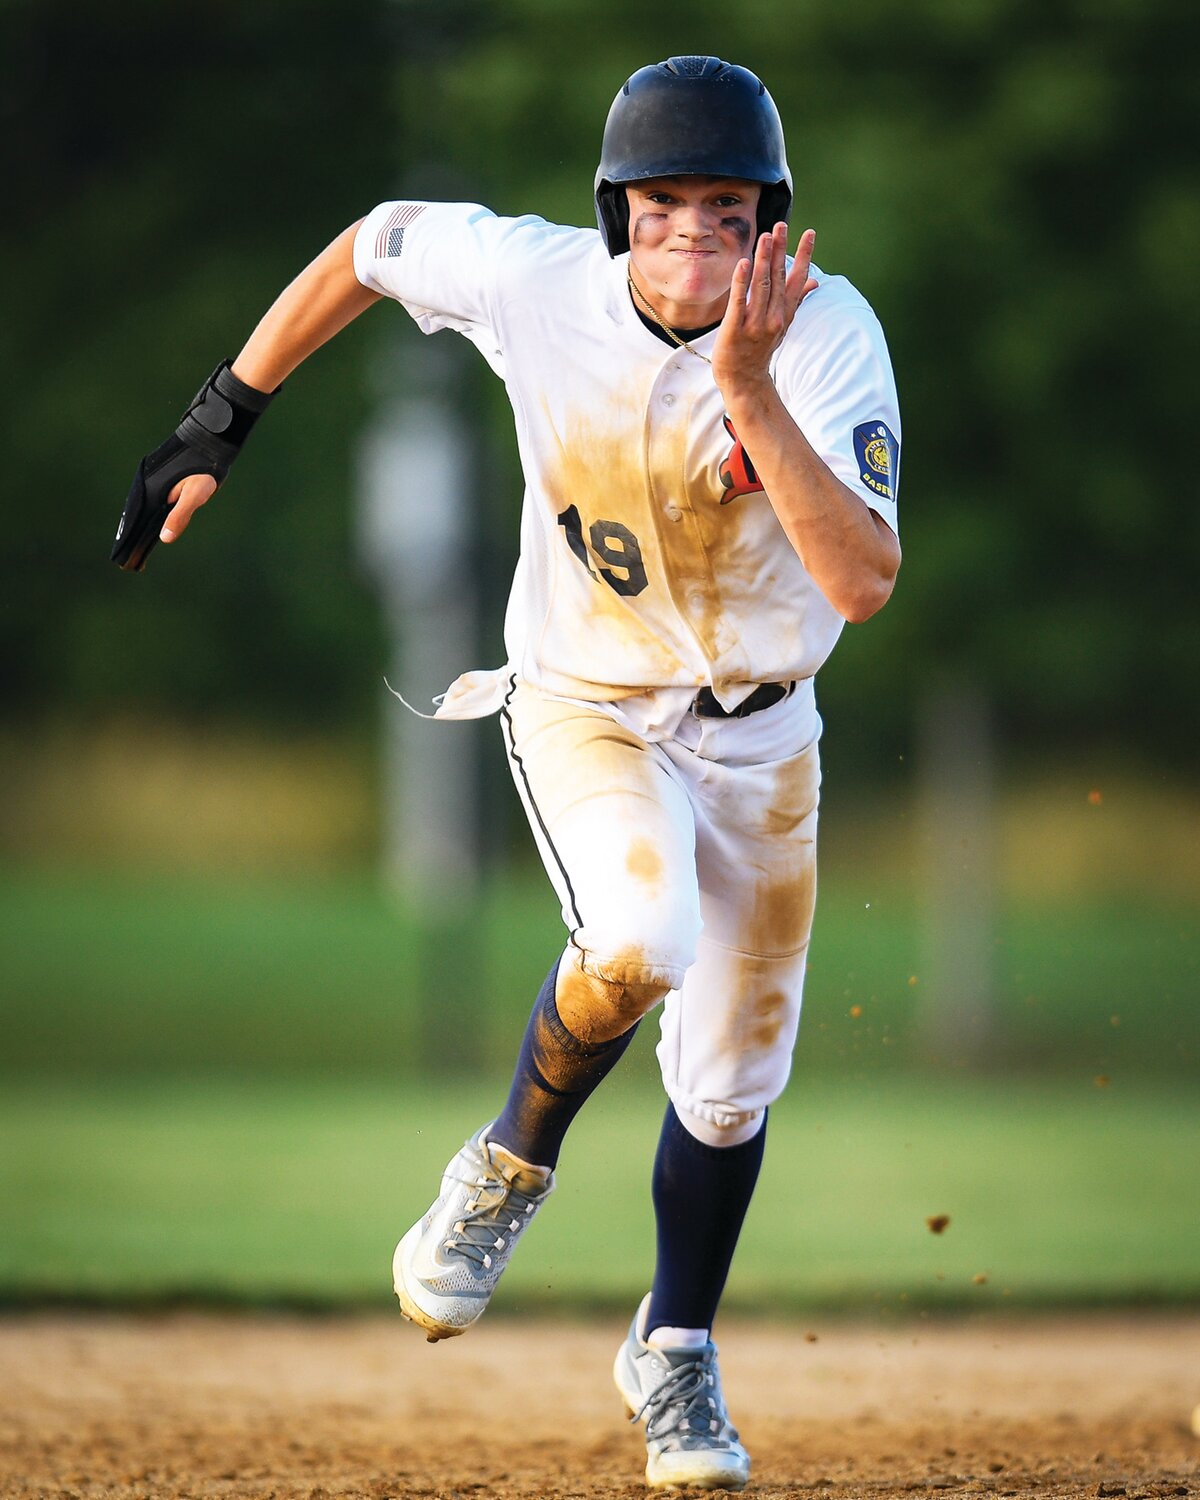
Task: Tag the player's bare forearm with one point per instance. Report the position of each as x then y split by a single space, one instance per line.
322 300
851 554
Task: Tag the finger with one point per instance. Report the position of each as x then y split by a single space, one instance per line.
804 253
766 257
760 281
778 266
779 251
187 497
735 308
800 280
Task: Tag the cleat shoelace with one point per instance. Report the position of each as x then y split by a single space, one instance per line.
482 1228
682 1404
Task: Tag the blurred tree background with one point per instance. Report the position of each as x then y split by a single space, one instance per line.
1013 185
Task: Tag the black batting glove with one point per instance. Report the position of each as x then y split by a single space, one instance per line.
207 441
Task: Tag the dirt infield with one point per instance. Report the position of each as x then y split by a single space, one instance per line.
194 1405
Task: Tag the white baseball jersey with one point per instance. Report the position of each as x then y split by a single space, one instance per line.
650 557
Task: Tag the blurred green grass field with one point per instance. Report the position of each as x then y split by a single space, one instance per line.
120 973
230 1090
295 1192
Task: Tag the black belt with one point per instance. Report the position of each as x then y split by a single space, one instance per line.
705 705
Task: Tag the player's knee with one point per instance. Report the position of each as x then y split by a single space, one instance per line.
629 999
602 998
624 996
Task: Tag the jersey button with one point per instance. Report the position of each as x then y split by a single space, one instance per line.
674 513
668 399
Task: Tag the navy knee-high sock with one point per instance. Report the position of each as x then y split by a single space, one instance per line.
701 1194
555 1073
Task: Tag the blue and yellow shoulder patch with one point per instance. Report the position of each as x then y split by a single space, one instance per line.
878 455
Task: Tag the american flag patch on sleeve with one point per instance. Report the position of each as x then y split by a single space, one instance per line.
390 239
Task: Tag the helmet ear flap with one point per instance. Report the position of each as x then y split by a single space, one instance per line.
612 213
774 204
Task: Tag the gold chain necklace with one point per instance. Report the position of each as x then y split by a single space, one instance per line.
666 327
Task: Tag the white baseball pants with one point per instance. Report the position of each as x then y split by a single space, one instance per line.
688 861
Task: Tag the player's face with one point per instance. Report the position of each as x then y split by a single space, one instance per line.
686 235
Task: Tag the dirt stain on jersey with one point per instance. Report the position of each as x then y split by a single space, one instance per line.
737 542
710 590
601 472
658 478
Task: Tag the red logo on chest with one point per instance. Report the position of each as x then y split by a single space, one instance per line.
738 476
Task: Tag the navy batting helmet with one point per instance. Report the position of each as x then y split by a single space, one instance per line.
691 117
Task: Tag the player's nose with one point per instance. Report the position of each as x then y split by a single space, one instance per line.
695 221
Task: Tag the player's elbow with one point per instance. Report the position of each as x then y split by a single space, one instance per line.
870 585
865 600
867 591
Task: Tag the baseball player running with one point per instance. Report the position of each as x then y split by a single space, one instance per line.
710 442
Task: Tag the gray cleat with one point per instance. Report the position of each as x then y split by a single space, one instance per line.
690 1441
446 1267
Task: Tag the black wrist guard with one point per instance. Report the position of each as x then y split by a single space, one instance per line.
207 441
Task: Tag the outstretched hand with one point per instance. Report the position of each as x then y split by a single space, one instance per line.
763 299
